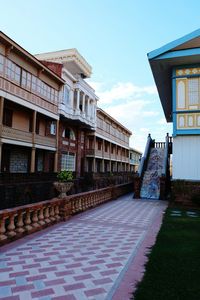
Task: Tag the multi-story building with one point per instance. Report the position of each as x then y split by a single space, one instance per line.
135 157
29 117
176 70
107 149
77 108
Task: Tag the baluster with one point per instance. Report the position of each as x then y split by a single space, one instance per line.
41 216
46 215
52 214
57 212
2 229
28 221
20 223
35 219
11 226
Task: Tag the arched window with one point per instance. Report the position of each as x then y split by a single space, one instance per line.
68 133
181 95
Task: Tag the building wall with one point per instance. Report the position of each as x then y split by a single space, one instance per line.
186 158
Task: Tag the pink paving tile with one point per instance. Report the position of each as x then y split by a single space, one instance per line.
22 288
13 263
14 254
27 256
83 277
75 286
120 258
102 281
15 274
102 255
42 293
2 270
80 258
7 282
57 262
108 272
64 273
41 259
94 292
90 269
96 262
114 265
30 266
76 265
47 269
50 253
66 297
36 277
54 282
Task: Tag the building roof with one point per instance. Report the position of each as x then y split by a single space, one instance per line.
114 120
12 45
183 51
135 150
71 59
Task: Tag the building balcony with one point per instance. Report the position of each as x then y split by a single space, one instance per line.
27 97
76 114
24 138
45 141
16 135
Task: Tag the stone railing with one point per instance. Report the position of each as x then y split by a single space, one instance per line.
20 221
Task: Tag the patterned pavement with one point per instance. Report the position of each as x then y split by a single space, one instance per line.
83 258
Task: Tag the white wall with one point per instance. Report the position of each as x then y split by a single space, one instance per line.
186 157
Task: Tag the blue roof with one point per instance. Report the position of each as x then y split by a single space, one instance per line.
183 51
170 46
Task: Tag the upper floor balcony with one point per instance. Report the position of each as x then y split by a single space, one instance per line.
22 87
79 103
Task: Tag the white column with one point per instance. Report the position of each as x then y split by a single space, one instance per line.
92 110
83 104
71 98
88 106
78 99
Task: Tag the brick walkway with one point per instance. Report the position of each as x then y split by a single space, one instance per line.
84 258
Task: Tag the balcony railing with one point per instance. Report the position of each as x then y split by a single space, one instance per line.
45 140
18 91
24 136
16 134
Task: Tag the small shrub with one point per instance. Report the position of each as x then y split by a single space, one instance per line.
65 175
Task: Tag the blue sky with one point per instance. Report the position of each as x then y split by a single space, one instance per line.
114 36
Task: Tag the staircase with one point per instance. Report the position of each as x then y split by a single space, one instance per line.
153 178
150 188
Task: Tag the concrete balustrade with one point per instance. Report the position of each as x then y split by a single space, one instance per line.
23 220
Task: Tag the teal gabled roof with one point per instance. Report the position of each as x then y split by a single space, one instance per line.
183 51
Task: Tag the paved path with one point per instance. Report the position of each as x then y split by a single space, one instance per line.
96 255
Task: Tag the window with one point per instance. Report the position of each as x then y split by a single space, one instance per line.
13 72
1 63
68 161
7 117
65 95
68 133
193 91
53 128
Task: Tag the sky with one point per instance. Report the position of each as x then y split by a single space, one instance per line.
114 36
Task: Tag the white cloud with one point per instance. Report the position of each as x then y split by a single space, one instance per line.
136 107
121 90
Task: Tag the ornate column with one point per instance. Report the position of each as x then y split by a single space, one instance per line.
78 99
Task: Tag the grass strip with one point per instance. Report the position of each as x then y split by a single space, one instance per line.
173 269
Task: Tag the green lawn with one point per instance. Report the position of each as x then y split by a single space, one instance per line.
173 269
